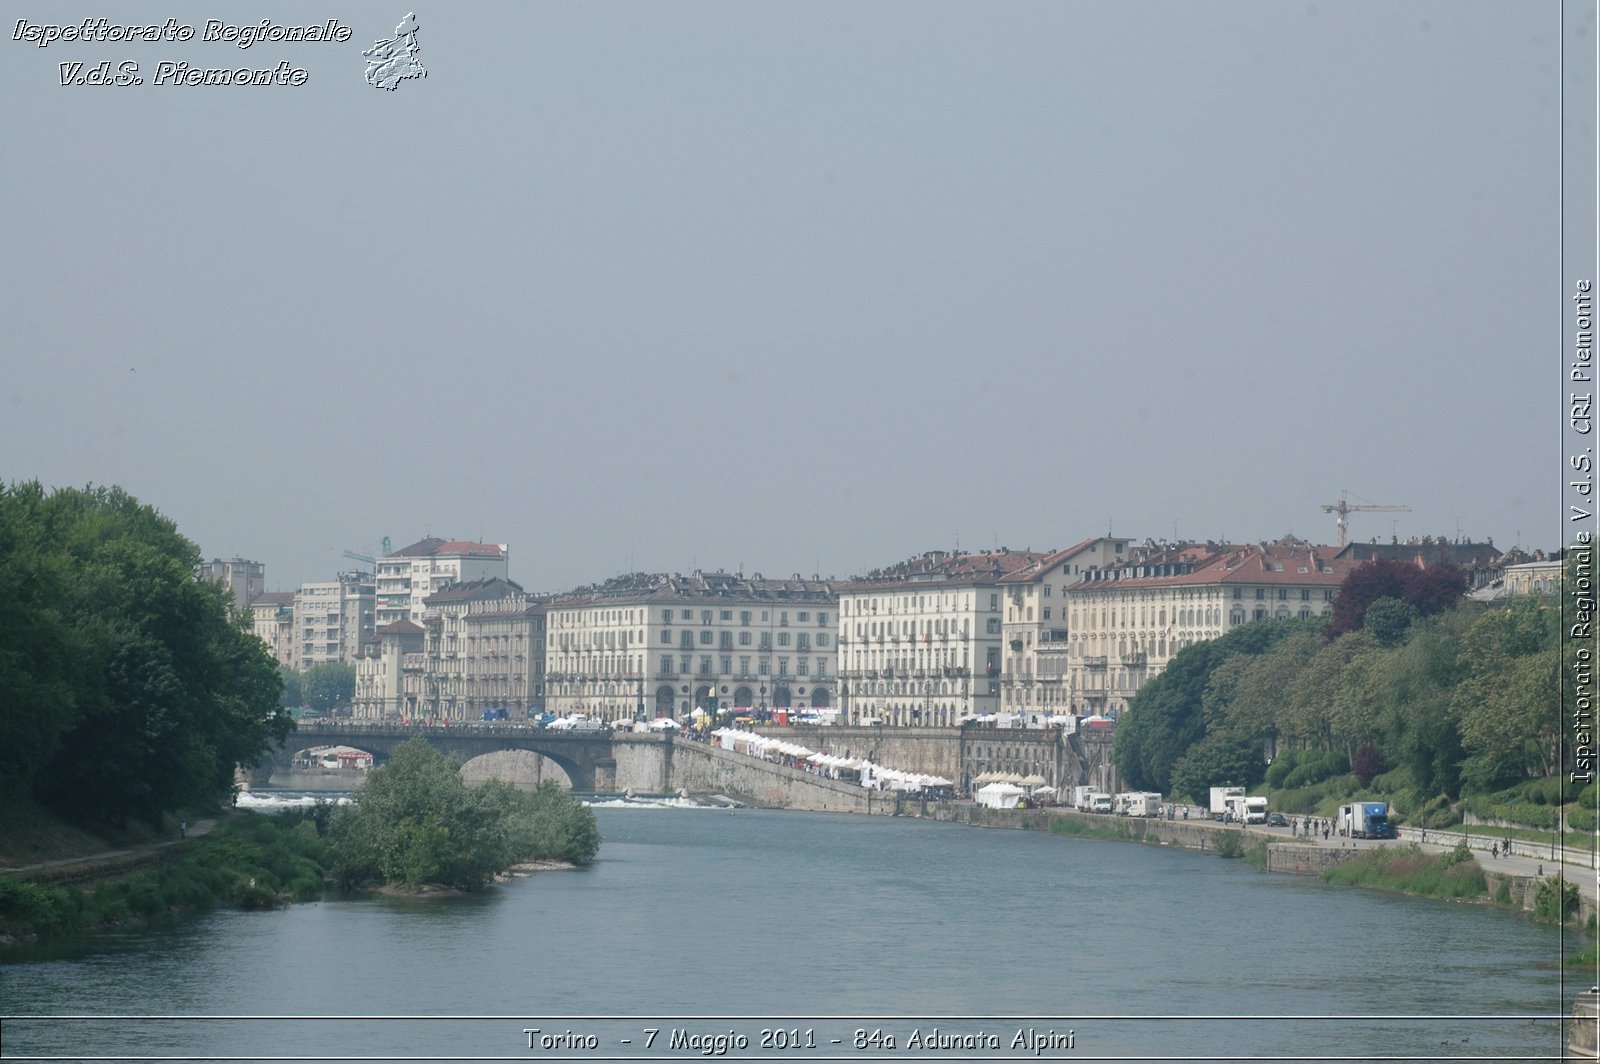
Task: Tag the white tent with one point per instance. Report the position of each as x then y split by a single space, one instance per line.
1000 796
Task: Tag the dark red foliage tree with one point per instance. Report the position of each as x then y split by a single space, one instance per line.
1429 590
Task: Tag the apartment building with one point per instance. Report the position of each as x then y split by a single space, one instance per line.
653 645
244 580
406 578
389 673
1034 673
1126 623
332 619
483 650
920 642
272 621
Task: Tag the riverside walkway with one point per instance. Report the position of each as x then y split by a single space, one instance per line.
91 865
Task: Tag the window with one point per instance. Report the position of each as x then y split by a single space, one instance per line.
822 619
726 615
802 617
744 665
705 637
666 637
1046 590
1261 593
727 665
805 667
666 663
994 626
803 643
762 666
1305 594
666 616
744 639
783 639
744 616
783 666
1046 613
1283 593
705 616
685 640
994 602
822 639
705 666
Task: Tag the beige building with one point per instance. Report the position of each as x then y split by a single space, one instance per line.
1533 578
244 580
1034 672
406 578
920 643
272 620
483 650
332 619
1127 622
646 645
389 673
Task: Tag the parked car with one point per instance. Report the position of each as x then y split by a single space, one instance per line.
1277 820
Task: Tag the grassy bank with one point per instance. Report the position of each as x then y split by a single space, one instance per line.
1453 875
252 861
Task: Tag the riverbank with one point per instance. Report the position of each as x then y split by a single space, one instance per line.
1515 883
250 862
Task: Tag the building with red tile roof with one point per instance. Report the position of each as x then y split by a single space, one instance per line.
406 577
1125 623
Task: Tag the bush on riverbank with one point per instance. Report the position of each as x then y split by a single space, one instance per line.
415 823
1453 874
252 860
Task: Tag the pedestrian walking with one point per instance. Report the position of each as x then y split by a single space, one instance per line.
183 829
1494 849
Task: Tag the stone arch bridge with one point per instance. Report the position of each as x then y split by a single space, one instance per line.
588 758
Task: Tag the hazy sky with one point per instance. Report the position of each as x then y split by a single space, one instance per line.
802 287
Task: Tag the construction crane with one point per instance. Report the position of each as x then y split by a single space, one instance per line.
1344 507
369 559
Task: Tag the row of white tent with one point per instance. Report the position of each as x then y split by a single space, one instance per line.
831 765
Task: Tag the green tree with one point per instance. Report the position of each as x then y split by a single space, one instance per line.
328 685
292 697
1509 696
1169 717
415 822
1388 620
143 692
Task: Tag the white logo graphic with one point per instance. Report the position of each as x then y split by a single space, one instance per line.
391 62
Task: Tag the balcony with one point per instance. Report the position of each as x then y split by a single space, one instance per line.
1134 661
1095 663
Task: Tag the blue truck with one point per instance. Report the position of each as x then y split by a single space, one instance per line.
1366 820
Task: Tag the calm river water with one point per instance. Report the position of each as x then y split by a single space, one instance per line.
898 938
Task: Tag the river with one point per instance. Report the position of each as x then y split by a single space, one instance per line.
704 922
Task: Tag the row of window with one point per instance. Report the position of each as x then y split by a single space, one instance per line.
685 665
687 616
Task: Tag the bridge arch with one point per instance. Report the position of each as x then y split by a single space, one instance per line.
523 769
